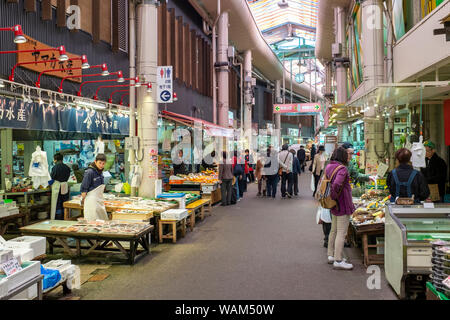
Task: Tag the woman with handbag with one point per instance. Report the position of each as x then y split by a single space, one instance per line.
341 192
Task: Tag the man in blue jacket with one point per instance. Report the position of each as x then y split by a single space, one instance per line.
93 176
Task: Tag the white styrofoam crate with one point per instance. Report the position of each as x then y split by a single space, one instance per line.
174 214
3 287
38 244
23 254
6 255
31 269
29 294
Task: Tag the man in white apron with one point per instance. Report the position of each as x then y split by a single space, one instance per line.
92 189
60 189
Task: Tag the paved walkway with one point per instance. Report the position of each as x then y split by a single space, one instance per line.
258 249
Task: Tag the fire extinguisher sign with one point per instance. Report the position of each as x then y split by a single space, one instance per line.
164 83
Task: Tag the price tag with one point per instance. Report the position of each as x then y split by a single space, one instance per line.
11 267
428 205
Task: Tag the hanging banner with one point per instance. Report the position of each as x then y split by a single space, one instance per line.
297 108
37 56
16 114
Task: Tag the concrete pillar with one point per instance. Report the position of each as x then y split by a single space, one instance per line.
341 71
223 96
248 105
373 70
277 98
372 43
132 27
147 17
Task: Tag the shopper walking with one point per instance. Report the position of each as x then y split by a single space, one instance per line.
341 192
226 179
251 166
296 170
301 155
436 170
238 172
271 173
404 181
260 178
318 166
60 189
312 155
92 189
285 159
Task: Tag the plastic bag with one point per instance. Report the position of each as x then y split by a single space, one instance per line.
313 184
318 215
325 215
51 278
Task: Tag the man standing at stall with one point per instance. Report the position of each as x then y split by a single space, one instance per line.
92 189
436 170
60 189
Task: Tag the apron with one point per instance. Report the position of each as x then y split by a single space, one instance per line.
56 187
94 207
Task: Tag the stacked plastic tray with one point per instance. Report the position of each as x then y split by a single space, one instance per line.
441 265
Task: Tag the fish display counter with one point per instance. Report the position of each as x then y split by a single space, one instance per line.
410 232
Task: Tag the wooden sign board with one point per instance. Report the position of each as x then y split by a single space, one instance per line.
36 56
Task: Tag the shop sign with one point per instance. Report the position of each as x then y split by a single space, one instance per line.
17 114
10 267
164 84
38 56
230 118
297 108
330 139
293 132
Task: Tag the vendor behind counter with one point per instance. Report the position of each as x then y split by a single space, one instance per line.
60 190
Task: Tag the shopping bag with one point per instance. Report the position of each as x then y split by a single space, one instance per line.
318 215
325 215
434 192
313 184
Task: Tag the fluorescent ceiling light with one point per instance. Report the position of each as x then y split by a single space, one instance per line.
91 104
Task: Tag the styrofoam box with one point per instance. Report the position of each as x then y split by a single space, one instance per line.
3 287
31 269
6 255
38 244
23 254
29 294
174 214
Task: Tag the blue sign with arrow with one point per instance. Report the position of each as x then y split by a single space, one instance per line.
165 96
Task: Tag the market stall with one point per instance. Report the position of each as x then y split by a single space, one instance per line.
98 234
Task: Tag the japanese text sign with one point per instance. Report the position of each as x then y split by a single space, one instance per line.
297 108
38 56
10 267
164 84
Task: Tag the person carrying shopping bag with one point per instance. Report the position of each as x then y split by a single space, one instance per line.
341 192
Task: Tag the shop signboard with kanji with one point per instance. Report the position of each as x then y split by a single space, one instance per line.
50 56
297 108
17 114
164 83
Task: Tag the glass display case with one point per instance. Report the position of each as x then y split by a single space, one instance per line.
409 231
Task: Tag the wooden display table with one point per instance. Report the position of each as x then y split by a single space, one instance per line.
69 205
4 221
97 241
173 224
370 230
199 206
215 196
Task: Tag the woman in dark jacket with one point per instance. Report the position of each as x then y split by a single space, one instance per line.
341 192
404 181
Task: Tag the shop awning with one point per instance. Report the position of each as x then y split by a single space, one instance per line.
211 128
397 94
